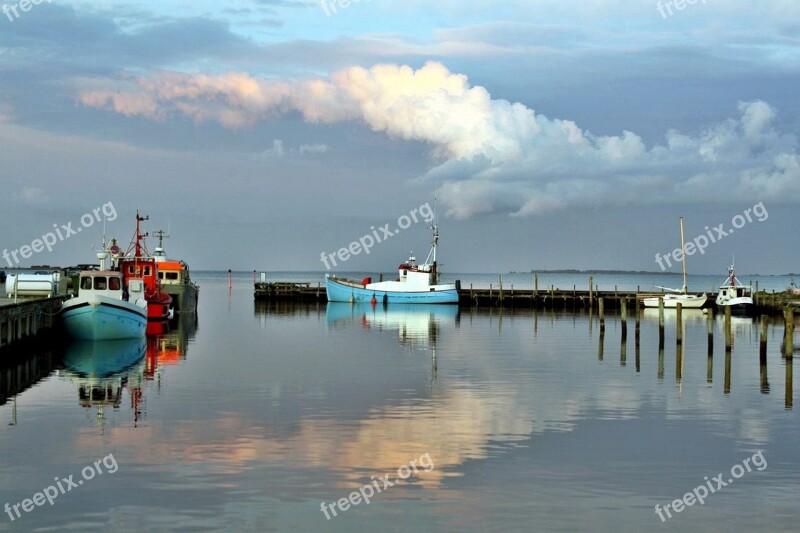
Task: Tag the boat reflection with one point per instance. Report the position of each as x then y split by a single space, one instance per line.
416 324
103 370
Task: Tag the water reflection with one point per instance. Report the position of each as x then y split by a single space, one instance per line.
416 324
103 370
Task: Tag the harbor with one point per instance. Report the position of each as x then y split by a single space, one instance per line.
550 298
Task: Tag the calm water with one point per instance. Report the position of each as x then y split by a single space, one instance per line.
254 416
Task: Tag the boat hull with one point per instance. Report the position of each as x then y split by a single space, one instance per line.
739 306
101 318
184 296
690 301
337 291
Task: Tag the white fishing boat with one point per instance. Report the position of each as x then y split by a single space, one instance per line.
734 295
417 284
678 296
105 309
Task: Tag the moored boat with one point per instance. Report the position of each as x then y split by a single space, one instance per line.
175 279
414 284
105 308
678 296
137 263
734 295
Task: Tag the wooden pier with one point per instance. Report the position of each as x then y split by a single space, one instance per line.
566 300
27 318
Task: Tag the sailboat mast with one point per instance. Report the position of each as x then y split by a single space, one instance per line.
683 254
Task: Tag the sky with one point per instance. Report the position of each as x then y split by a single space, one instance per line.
274 134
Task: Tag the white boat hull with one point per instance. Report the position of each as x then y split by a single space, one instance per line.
687 301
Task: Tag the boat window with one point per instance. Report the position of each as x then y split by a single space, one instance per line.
147 271
100 283
114 284
160 275
172 275
130 269
86 283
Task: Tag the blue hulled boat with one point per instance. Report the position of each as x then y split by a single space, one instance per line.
105 308
415 284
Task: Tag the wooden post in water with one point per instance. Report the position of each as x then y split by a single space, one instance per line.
535 284
230 279
601 312
710 323
623 310
637 310
728 334
789 401
763 338
591 298
679 323
490 294
471 293
788 332
381 277
726 386
661 322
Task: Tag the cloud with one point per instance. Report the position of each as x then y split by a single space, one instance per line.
32 196
489 155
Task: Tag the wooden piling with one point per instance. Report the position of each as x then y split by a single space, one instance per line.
763 338
789 401
788 330
679 323
591 297
624 318
728 333
755 296
726 386
661 322
710 323
601 312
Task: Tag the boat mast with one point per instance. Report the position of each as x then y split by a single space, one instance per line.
683 254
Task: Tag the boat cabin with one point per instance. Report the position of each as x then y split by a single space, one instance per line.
416 275
171 272
111 284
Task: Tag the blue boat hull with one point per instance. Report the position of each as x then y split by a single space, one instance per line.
102 322
340 292
103 359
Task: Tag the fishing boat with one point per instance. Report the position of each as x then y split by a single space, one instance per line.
734 295
175 278
793 289
678 296
414 284
106 307
137 263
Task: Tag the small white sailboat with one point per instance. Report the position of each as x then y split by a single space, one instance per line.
676 296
